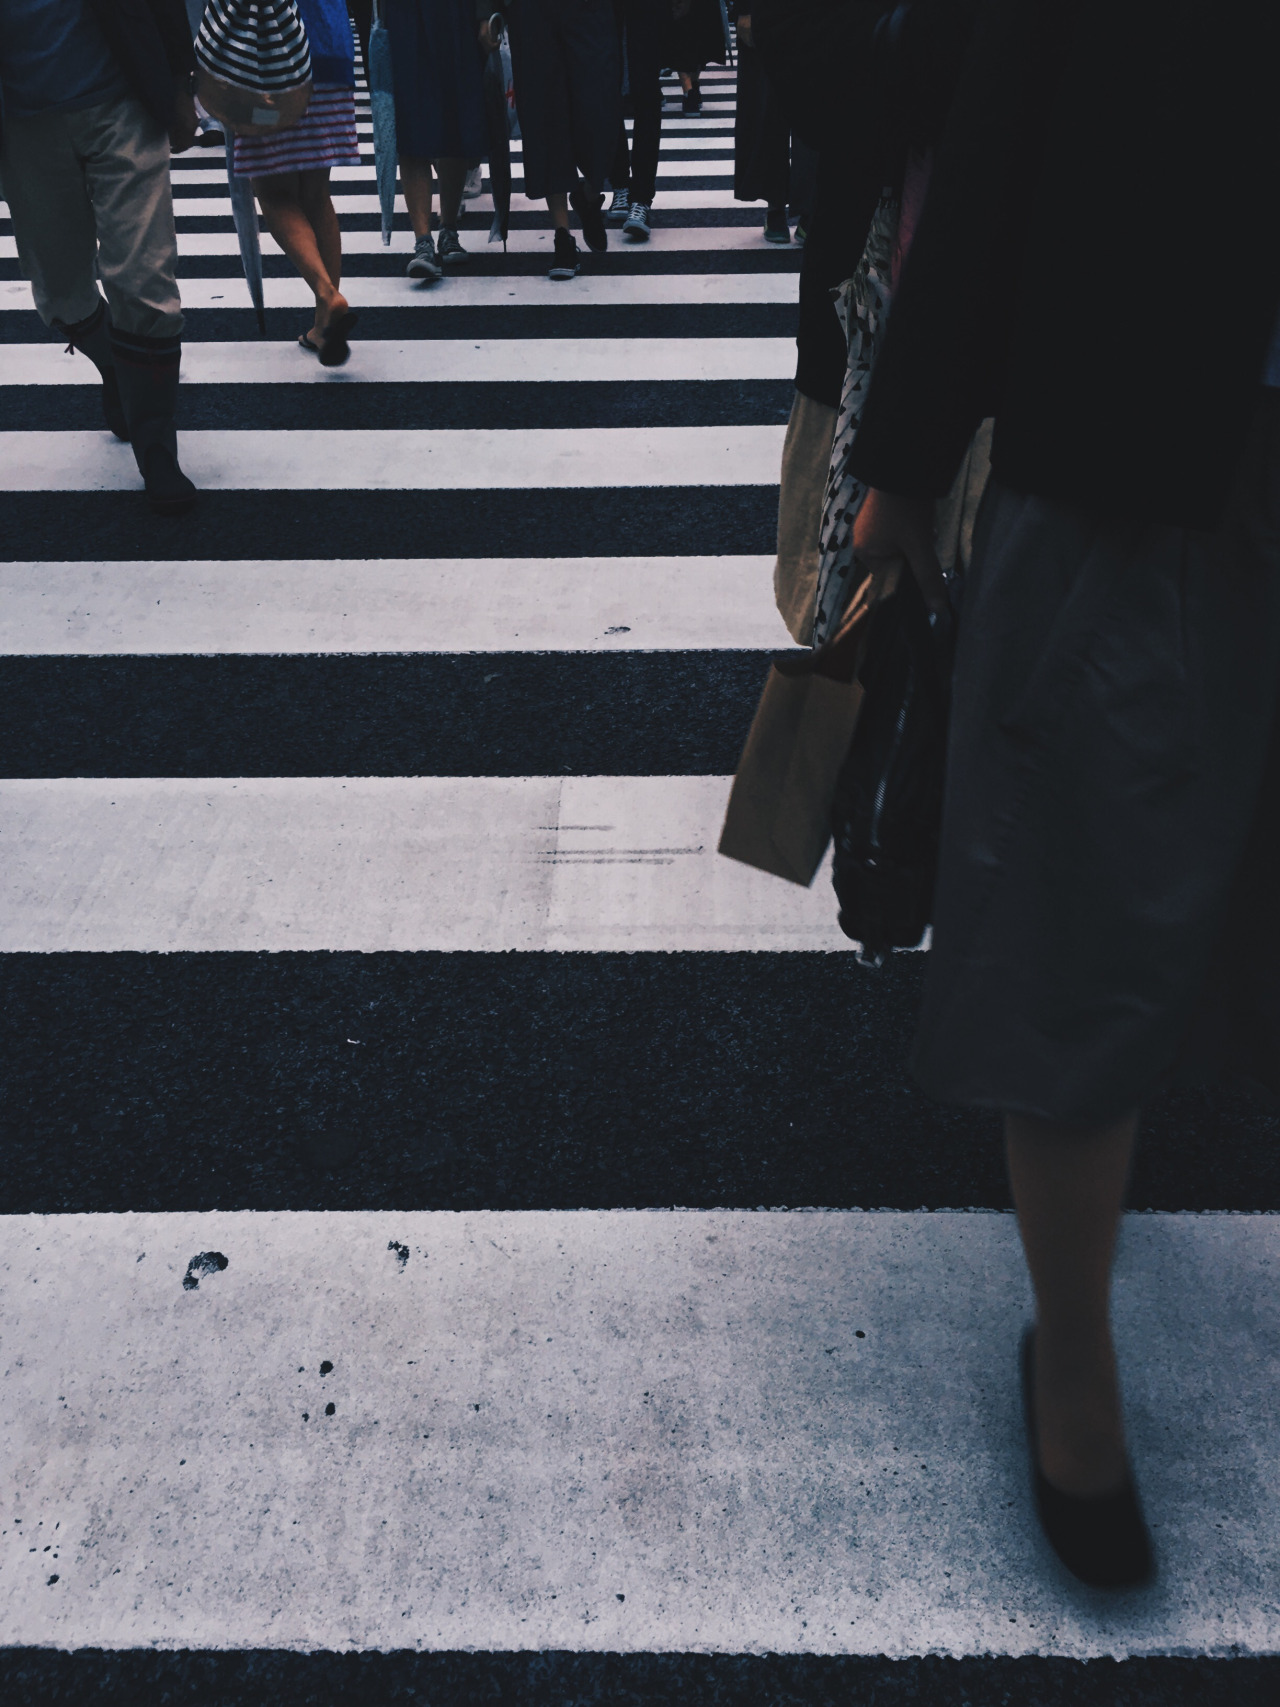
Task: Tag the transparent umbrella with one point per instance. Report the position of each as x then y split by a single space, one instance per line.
502 125
245 214
383 109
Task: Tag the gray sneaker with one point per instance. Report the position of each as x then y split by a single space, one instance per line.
618 208
637 227
424 264
449 251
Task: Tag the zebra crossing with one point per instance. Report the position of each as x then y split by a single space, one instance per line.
464 1240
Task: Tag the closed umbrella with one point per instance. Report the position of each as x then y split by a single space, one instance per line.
501 122
245 213
382 106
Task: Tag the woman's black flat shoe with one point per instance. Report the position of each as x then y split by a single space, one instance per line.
1103 1540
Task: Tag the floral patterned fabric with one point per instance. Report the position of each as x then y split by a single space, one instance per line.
862 303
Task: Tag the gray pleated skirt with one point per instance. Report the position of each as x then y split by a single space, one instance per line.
1111 836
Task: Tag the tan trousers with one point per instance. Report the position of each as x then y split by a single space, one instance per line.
89 194
806 459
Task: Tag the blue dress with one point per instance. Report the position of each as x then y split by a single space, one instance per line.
437 68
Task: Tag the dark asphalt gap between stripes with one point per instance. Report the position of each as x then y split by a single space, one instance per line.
520 1081
42 1677
381 714
453 404
555 319
659 521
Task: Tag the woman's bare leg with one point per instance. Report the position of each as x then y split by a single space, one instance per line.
453 177
416 180
1068 1187
317 204
280 198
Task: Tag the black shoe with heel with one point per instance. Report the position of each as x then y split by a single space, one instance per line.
1103 1540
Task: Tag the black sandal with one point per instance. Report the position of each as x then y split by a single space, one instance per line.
304 342
334 348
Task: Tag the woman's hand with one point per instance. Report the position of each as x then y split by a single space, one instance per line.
888 528
491 39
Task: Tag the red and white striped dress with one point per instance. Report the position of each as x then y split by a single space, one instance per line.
325 135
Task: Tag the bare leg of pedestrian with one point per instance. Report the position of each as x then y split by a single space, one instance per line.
1068 1187
452 175
418 177
294 204
318 206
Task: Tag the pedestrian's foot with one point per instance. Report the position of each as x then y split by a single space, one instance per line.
567 257
637 228
335 348
776 229
691 101
310 340
423 264
449 251
1080 1434
169 492
619 207
1100 1536
587 204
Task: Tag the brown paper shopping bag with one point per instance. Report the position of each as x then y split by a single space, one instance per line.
778 818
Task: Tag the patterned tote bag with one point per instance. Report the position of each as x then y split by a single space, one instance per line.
254 65
862 303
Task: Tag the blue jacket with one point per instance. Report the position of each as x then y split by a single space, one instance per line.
333 52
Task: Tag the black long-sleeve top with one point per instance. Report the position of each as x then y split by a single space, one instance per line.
1097 262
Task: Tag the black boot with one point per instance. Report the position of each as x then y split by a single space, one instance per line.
147 370
92 337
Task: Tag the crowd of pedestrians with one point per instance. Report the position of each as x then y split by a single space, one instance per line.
1026 184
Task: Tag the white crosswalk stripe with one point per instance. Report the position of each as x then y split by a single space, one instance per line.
618 604
242 459
594 1432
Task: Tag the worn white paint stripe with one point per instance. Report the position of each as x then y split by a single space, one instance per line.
529 604
400 863
601 1431
617 290
668 167
455 361
304 459
682 239
219 207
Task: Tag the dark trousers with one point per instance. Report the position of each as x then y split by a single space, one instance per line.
568 79
643 22
761 136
